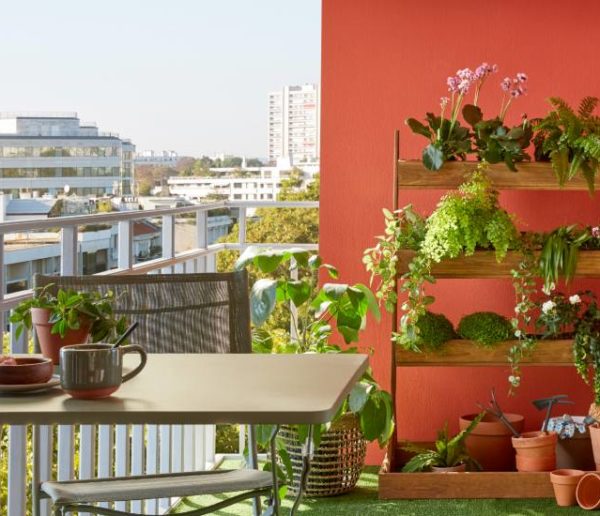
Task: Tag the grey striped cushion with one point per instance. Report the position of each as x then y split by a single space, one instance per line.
177 313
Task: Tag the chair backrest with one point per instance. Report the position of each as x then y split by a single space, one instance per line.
177 313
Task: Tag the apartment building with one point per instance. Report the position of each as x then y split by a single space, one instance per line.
48 153
294 124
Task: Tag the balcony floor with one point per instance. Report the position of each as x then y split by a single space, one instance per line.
363 501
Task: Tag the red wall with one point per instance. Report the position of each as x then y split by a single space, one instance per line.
385 60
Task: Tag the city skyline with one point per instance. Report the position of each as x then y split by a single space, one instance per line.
189 76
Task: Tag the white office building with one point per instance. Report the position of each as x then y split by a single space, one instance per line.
294 124
157 158
42 153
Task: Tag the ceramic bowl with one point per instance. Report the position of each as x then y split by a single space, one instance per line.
28 370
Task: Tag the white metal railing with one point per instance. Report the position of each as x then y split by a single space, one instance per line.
105 450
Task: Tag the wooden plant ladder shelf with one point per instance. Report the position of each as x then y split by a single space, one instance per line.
482 264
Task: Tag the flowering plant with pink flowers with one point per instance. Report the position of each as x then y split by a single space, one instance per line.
493 141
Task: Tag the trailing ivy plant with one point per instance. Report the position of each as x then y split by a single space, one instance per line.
570 139
404 229
586 345
317 309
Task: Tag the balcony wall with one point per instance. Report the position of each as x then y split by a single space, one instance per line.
384 61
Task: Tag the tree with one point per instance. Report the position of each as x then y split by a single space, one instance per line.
254 162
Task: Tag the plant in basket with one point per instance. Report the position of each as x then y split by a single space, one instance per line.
68 317
449 453
315 312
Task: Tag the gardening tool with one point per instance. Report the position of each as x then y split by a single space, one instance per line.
548 403
494 409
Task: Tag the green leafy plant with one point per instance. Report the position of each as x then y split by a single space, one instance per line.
449 140
570 140
495 142
404 229
559 254
486 328
558 314
69 309
586 345
469 219
448 452
435 330
317 309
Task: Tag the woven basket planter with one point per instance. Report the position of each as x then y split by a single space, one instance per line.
337 462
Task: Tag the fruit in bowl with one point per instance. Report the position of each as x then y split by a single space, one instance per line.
25 370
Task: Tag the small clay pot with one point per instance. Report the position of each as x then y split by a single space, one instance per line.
453 469
489 442
536 451
28 370
595 438
564 483
588 491
575 452
50 343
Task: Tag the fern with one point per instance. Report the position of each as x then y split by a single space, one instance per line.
570 140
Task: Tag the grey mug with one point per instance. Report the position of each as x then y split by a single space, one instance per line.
91 371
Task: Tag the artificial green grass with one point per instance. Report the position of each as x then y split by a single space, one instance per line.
363 501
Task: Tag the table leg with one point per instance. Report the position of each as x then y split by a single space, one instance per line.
307 455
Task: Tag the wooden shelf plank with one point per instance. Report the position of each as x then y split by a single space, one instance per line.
483 264
530 176
456 353
394 485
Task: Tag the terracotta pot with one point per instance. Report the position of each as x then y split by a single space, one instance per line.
588 491
453 469
564 483
595 438
536 451
489 443
595 411
50 344
27 370
575 452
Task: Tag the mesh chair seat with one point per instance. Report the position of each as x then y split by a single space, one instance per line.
157 486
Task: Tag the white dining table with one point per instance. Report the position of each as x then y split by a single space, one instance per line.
208 389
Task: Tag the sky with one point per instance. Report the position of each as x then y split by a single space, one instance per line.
186 75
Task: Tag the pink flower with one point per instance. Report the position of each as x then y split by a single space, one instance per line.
484 69
444 102
466 74
506 84
463 86
521 77
596 232
452 83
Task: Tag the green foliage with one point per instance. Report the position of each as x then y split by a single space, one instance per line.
486 328
559 254
434 330
469 219
227 439
570 140
68 309
496 143
586 345
316 309
449 140
448 452
404 229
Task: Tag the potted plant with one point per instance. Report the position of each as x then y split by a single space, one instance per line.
449 455
298 316
69 317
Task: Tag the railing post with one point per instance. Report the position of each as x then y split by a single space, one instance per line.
242 225
125 245
168 240
68 251
201 237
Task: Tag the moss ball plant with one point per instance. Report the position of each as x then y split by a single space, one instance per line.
486 328
435 330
